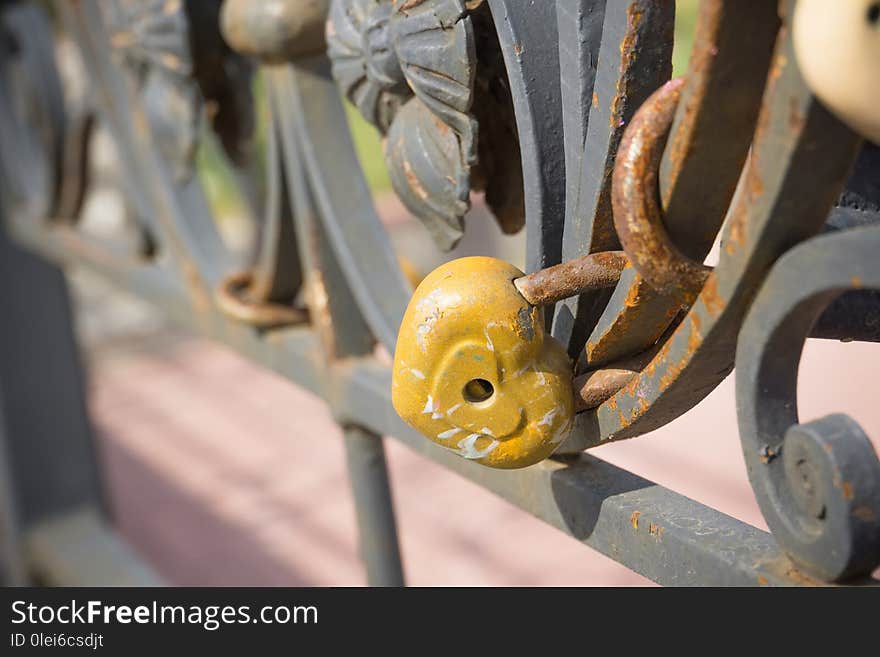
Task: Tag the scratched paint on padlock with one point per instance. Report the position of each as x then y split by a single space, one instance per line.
474 370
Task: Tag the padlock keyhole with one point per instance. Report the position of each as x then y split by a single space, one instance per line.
477 391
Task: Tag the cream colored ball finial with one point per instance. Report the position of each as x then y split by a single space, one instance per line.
838 50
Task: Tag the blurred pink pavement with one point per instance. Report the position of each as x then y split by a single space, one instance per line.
224 474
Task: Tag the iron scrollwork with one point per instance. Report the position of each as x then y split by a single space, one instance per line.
616 160
818 483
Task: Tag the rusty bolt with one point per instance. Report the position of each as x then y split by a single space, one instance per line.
591 272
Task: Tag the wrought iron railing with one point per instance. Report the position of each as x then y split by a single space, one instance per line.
562 113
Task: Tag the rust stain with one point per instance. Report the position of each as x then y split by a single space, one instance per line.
864 513
442 128
779 64
712 301
673 371
171 61
796 118
695 338
848 492
856 281
801 578
737 235
736 238
633 297
655 531
628 49
754 188
783 568
413 180
195 286
634 519
763 581
319 304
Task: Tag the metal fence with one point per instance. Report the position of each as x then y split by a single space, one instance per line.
533 103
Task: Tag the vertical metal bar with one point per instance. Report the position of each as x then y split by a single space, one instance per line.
529 44
12 571
345 334
48 442
371 489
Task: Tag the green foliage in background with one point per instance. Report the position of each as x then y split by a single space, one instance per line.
685 22
219 181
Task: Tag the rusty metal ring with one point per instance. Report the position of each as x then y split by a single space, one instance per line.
231 298
635 199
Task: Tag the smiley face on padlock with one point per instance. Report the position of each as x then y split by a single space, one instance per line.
474 370
838 51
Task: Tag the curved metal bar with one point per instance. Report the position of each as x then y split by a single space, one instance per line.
345 205
635 57
800 160
712 131
75 166
526 32
579 26
178 212
350 335
342 332
637 214
818 484
36 139
715 119
277 273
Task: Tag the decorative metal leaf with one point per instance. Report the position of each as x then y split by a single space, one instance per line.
150 32
152 36
364 63
434 42
427 171
385 51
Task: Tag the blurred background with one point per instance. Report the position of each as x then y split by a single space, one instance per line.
220 473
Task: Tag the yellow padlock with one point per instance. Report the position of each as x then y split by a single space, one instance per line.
475 371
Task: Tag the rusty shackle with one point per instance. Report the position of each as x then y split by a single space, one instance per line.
638 217
590 272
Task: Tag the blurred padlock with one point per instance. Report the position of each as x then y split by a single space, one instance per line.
274 30
838 51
